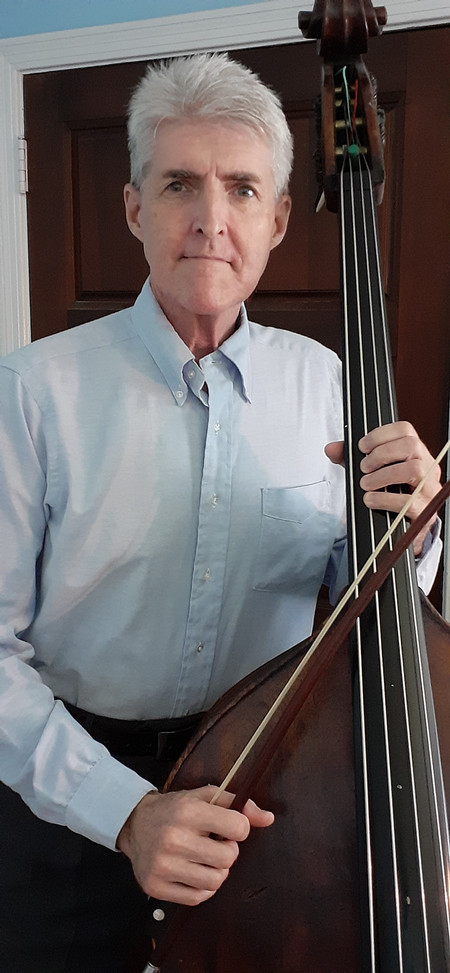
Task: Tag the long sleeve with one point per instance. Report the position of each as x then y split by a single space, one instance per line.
428 562
59 770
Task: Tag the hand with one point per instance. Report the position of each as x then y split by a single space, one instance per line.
168 839
394 455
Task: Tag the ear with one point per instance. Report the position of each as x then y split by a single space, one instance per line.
281 219
132 199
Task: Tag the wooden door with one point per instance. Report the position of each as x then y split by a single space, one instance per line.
85 263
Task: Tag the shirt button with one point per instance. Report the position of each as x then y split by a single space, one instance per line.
207 575
199 647
213 500
191 373
216 426
180 394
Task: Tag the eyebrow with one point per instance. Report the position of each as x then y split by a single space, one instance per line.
244 177
228 177
179 174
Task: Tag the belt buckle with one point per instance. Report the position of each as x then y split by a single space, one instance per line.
171 743
164 744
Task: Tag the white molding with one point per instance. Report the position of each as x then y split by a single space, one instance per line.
14 284
251 25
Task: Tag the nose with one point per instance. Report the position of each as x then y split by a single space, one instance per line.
210 212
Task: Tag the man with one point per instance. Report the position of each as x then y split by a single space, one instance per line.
169 513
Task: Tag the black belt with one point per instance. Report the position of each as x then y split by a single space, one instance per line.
159 739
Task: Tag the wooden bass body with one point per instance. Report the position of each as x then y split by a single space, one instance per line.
291 902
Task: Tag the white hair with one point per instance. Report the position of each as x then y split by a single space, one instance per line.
210 87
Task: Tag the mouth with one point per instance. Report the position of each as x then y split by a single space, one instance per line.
211 258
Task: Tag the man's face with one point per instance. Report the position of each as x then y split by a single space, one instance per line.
207 217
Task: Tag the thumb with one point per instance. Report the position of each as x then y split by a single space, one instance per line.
257 817
335 452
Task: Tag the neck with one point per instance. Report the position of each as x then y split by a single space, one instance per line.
202 333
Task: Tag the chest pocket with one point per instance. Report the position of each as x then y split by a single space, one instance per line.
296 536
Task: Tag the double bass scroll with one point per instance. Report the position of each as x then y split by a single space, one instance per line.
342 29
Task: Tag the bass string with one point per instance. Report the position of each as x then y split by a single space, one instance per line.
371 275
357 399
414 614
346 254
371 286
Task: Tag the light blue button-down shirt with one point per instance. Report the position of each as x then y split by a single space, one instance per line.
182 518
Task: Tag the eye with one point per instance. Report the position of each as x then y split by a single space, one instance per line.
175 186
246 191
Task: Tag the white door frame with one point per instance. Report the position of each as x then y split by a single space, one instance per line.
251 25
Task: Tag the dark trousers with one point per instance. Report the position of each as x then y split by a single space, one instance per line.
68 905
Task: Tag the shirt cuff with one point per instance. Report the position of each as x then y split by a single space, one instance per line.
428 561
104 800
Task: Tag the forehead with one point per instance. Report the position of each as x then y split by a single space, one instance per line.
201 144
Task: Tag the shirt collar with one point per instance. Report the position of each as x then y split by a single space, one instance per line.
236 349
172 355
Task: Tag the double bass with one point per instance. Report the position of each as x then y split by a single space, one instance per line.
354 875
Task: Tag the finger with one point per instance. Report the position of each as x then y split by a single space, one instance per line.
257 817
202 864
335 452
395 451
178 844
392 502
223 822
177 892
388 433
213 853
398 452
197 876
408 473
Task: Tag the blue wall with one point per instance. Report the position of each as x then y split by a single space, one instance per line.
21 17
